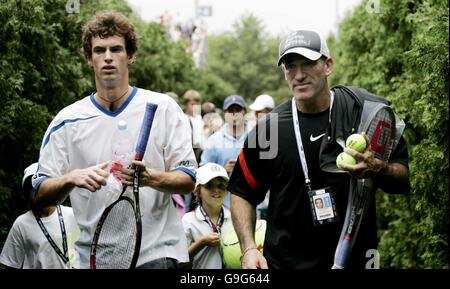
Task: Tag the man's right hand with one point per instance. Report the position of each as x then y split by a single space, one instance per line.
92 178
254 259
55 190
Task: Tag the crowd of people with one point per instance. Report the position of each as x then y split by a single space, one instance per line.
192 32
218 134
203 174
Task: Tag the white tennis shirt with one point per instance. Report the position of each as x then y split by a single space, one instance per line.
80 136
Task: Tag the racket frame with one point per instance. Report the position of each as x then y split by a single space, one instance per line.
359 197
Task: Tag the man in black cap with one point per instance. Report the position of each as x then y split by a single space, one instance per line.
301 170
224 145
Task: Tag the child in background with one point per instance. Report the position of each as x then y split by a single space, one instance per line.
42 238
210 220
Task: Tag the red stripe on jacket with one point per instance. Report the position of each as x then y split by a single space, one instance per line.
248 175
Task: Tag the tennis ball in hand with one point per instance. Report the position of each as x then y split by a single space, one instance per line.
356 142
345 158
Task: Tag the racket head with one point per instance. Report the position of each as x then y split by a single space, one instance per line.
116 238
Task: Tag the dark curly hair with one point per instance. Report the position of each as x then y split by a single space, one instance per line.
109 23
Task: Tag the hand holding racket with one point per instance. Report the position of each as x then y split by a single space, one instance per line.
379 124
117 238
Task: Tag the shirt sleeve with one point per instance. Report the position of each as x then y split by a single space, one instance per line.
400 153
399 156
13 252
54 153
187 229
250 174
178 151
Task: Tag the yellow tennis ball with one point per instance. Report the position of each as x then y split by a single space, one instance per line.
357 142
231 248
345 158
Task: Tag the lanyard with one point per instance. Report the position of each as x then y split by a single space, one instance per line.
64 256
298 138
216 228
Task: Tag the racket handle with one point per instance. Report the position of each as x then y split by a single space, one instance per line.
340 260
144 133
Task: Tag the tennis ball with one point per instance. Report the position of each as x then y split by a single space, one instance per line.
357 142
231 248
345 158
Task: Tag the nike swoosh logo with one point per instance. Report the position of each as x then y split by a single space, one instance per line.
313 139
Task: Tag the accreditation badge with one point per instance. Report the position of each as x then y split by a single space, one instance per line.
323 207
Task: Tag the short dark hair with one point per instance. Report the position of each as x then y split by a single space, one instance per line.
109 23
208 107
191 95
27 191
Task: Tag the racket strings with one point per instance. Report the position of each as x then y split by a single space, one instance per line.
117 239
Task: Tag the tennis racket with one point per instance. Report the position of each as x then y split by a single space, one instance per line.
380 129
117 238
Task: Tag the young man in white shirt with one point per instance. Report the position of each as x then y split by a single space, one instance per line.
77 147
